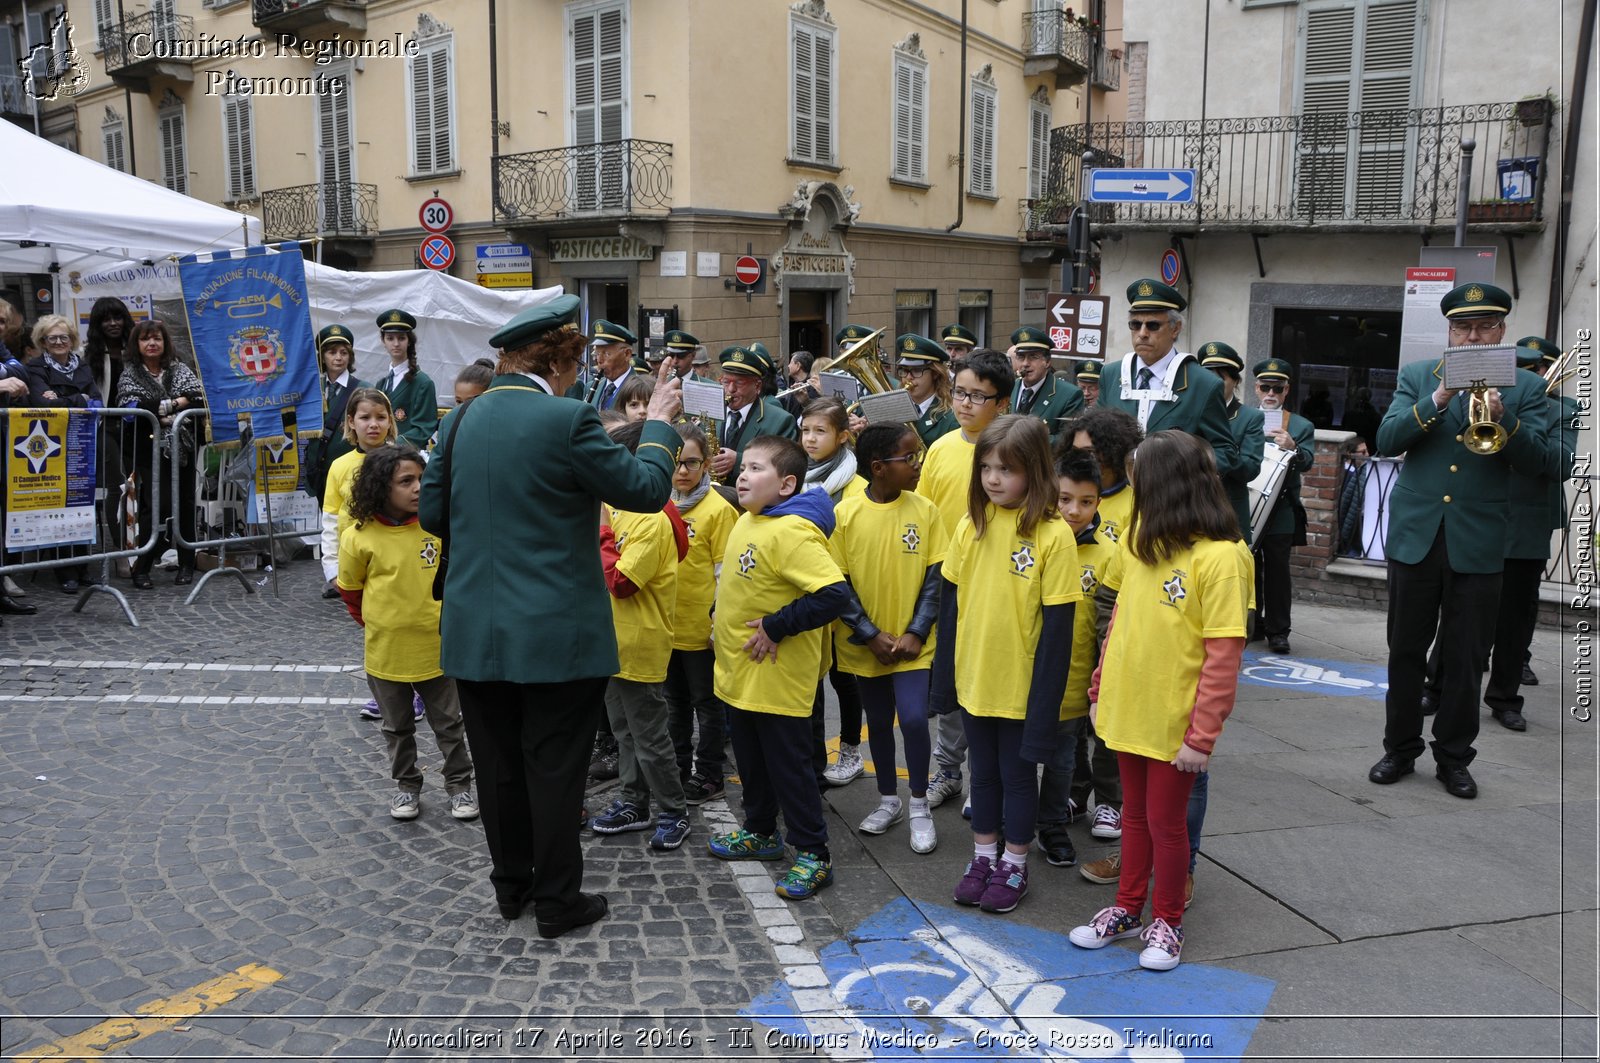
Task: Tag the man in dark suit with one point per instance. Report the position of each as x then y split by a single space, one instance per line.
613 363
749 413
526 629
1448 522
1245 423
1286 524
1161 386
1039 392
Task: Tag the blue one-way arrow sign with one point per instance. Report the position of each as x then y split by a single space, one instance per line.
1141 186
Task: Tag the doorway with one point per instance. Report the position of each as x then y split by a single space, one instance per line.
605 298
809 327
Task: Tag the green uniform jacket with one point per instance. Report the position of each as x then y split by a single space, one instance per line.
1199 408
1443 484
938 421
525 600
1538 505
1287 511
416 407
767 418
1245 421
1056 401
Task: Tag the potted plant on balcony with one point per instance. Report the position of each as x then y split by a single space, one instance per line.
1500 210
1533 110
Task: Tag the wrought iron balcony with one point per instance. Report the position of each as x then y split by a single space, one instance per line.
620 178
1052 43
1379 170
335 210
1044 219
154 44
312 19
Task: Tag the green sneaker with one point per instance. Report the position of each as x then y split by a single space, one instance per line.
745 845
808 875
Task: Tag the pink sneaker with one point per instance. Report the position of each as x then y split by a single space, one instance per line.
1007 886
970 889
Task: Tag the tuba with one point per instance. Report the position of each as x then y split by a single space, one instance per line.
862 361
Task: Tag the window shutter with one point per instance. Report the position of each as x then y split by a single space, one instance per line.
105 18
114 144
902 119
444 148
981 181
1038 149
432 147
236 127
919 123
822 110
804 93
585 127
174 161
334 135
599 71
610 70
1388 44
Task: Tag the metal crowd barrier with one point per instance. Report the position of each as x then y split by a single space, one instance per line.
223 473
124 461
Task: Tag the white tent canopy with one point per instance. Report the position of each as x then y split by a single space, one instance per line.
77 210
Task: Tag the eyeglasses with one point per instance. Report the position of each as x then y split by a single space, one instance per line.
692 464
1273 389
1146 326
58 339
913 461
977 398
1480 326
911 370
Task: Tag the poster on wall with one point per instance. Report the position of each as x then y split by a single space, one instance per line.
50 476
1423 332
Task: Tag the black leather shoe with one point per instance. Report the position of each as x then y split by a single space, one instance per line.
1429 705
331 591
1390 768
591 908
1457 780
1528 678
1511 720
185 576
9 606
1057 847
513 909
143 582
1278 643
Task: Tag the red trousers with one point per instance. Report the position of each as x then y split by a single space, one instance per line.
1155 836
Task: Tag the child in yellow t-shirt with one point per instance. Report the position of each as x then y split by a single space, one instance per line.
640 556
890 544
1078 476
1167 677
691 699
999 656
780 590
386 569
982 392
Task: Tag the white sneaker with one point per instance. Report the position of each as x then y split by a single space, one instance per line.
1107 824
463 805
847 768
882 818
405 805
923 835
942 787
1164 946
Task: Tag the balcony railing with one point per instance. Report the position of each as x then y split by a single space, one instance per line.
620 178
1061 193
1051 35
334 209
310 17
154 43
1359 170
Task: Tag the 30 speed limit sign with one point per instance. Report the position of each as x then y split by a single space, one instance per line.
436 215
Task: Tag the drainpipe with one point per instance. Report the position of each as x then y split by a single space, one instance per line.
494 111
961 146
1569 166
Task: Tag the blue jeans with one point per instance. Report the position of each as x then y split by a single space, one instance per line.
1197 814
884 697
1005 789
1055 785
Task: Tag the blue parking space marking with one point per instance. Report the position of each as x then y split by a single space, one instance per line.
1340 679
934 981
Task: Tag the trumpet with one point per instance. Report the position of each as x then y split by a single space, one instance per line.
1483 435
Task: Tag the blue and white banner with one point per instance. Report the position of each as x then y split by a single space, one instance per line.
250 322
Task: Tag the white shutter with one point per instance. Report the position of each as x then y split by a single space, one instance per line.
336 159
105 20
174 159
910 120
822 112
432 139
238 129
804 95
812 93
981 157
1388 48
599 77
1038 149
114 143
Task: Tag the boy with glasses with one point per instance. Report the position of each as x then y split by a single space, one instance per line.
981 393
1039 392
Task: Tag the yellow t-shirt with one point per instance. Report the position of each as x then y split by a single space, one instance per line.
1153 656
886 548
1115 511
648 556
770 561
947 476
1093 558
341 479
393 567
709 522
1009 580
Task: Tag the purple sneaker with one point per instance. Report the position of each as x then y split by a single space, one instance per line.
975 882
1007 886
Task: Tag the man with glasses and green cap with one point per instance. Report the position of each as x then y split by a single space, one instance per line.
1286 524
749 413
1038 391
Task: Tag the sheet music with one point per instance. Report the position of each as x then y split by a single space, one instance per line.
1491 365
889 407
704 400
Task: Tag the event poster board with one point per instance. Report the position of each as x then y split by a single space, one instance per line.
1424 333
250 322
281 469
50 478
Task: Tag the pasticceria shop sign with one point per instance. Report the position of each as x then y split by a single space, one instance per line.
815 247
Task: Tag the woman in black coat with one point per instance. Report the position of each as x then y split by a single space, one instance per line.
61 377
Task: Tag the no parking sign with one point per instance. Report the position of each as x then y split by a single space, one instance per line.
437 252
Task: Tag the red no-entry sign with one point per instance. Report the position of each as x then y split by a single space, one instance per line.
747 270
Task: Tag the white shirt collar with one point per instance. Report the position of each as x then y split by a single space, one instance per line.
398 373
927 404
544 385
1160 369
343 379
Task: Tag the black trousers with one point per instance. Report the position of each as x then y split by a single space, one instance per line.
691 699
776 771
1513 634
1272 583
1425 599
530 744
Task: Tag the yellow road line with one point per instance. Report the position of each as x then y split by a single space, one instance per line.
113 1035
